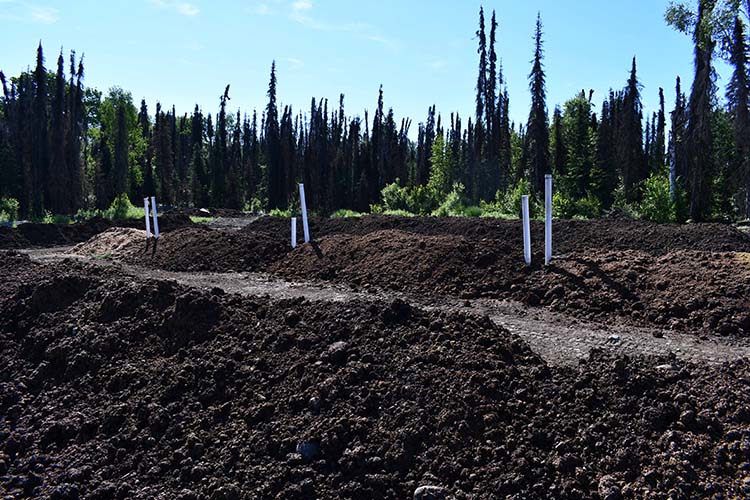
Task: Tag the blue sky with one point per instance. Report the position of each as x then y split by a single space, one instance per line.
422 52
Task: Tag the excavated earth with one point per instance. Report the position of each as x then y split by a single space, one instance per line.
114 386
32 234
693 278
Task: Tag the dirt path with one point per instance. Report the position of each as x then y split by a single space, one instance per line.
557 338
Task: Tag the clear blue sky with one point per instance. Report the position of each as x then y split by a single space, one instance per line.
422 52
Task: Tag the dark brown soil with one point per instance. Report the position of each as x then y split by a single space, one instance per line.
692 278
115 387
33 234
194 248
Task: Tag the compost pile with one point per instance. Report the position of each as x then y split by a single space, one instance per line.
692 278
118 387
195 248
33 234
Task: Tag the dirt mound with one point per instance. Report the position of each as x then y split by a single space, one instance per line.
11 238
33 234
569 236
399 260
683 290
686 290
195 248
114 387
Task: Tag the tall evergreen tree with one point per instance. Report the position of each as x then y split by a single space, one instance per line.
58 169
145 161
120 172
632 163
698 138
276 182
738 97
40 139
537 131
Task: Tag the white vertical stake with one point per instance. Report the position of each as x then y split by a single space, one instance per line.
156 220
148 221
304 212
526 230
294 232
547 218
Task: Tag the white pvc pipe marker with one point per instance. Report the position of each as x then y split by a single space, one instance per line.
294 232
304 212
148 221
526 230
547 218
156 219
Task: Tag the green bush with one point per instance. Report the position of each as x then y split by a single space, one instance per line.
510 202
657 204
345 213
8 209
422 200
562 206
277 212
121 208
395 197
473 211
453 205
588 208
621 204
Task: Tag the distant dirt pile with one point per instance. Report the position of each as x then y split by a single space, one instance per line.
33 234
115 387
195 248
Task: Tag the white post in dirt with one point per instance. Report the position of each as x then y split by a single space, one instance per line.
156 219
304 212
148 221
526 229
294 232
547 218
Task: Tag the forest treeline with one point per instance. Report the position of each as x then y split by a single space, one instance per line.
65 147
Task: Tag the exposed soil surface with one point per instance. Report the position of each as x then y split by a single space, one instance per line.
33 234
117 387
692 278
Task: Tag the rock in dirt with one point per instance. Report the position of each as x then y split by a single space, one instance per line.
430 493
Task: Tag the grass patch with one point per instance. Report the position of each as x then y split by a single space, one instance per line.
201 220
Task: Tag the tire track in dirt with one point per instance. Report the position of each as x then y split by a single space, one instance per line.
559 339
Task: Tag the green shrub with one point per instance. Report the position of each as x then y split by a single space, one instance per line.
621 204
121 208
395 197
588 208
342 213
562 206
510 202
8 209
473 211
422 200
277 212
453 205
657 204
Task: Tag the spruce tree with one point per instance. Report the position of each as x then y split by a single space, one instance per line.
738 97
276 181
40 163
698 136
145 160
58 169
630 138
536 145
